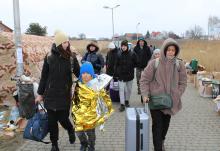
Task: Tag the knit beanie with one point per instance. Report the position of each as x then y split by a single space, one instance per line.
141 38
111 45
60 37
88 68
124 43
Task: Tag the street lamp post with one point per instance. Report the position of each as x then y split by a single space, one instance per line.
112 8
137 29
17 38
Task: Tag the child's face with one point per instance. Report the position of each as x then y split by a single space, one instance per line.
157 55
171 50
86 77
92 48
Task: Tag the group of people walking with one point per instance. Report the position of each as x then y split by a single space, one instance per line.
56 84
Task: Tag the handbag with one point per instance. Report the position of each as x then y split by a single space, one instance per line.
37 127
26 100
160 101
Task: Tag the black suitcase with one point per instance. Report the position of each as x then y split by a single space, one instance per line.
114 91
114 95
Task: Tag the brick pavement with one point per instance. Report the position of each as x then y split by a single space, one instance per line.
195 128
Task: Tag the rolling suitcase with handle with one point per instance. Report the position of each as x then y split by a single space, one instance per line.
114 91
137 129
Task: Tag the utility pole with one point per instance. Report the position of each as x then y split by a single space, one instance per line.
17 39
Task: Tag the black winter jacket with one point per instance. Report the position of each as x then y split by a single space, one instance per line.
125 64
143 55
56 80
111 61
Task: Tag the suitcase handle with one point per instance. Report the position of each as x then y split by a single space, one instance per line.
146 110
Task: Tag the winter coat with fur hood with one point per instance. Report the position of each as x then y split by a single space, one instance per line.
169 78
94 58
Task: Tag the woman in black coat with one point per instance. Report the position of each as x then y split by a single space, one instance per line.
55 87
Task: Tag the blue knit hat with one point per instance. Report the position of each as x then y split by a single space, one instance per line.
88 68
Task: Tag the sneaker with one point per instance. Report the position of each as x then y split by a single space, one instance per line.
55 148
122 108
72 136
127 104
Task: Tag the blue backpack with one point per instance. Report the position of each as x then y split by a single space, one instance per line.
37 127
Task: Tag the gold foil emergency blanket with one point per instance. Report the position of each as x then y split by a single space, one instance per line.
90 108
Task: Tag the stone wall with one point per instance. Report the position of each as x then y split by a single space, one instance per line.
34 50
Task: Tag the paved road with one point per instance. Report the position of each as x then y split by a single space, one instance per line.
195 128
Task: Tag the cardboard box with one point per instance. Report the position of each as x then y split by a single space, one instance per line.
216 75
205 88
201 75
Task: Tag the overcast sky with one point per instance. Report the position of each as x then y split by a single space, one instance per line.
89 16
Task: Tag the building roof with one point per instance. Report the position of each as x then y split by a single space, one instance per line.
5 26
133 34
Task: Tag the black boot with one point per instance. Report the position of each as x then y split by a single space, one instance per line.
72 136
83 146
122 108
91 146
127 103
55 147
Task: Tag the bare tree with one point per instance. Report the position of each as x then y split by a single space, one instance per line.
82 36
195 32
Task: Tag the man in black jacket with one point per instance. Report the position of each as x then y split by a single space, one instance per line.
55 87
144 55
125 64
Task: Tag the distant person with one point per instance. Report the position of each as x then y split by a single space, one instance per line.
143 56
55 87
156 54
111 59
167 77
152 48
93 57
126 62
